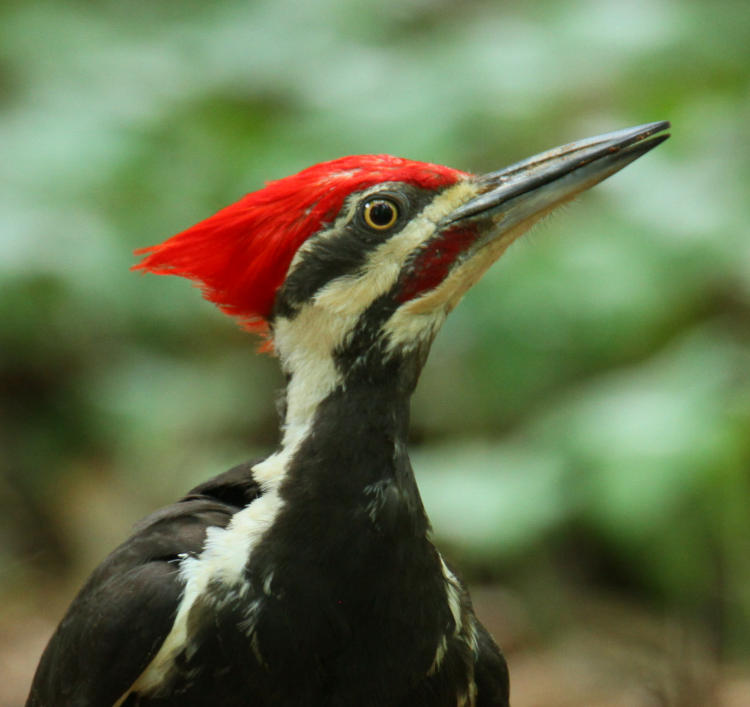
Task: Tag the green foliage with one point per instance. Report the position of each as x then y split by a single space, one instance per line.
595 381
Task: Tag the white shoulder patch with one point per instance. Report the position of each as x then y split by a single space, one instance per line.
225 554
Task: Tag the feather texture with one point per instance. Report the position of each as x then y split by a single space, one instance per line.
240 255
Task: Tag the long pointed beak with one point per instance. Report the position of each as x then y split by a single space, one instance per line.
526 190
504 204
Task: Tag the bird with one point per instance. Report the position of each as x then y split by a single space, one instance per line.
310 577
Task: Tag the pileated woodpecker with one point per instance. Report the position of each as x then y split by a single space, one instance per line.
309 577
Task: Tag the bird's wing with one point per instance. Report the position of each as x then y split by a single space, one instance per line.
490 672
121 616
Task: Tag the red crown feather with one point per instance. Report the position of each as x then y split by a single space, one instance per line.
241 254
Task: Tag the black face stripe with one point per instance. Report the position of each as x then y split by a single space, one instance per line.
365 355
346 252
367 333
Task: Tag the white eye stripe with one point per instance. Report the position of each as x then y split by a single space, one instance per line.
413 232
352 293
325 322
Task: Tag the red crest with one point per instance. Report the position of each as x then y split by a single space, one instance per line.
240 255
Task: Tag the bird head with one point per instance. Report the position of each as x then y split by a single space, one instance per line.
359 260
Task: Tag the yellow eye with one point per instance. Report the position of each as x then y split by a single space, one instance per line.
380 214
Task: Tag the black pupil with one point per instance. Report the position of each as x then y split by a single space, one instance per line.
381 213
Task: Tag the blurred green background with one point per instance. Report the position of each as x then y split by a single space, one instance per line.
581 433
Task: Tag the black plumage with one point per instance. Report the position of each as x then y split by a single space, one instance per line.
116 624
357 602
352 616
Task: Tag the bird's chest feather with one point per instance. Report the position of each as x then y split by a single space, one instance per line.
329 603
